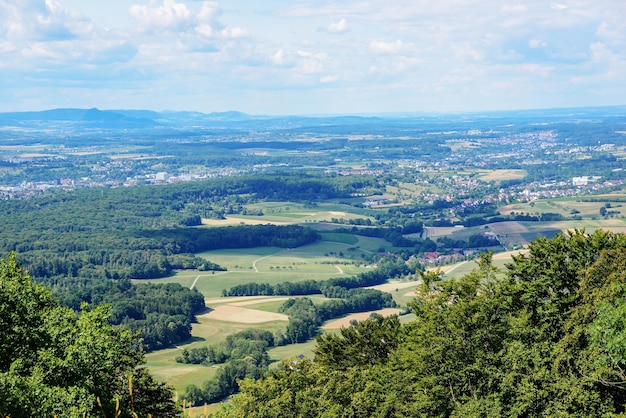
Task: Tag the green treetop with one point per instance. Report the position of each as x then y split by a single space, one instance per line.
55 363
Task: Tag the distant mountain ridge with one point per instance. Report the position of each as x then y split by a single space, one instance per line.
129 119
148 119
83 117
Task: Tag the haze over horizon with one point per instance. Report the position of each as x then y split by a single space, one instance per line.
312 57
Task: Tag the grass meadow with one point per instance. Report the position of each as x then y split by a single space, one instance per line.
336 255
568 206
285 213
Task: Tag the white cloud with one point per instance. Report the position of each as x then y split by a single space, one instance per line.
41 20
385 47
338 27
452 47
280 58
168 15
514 8
537 43
209 12
558 6
42 38
234 33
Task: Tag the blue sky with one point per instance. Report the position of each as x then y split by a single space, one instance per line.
312 56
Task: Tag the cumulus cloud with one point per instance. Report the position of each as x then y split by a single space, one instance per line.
168 15
385 47
537 43
454 45
37 20
171 16
338 27
41 41
329 79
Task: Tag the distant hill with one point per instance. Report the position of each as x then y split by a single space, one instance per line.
95 118
147 119
123 119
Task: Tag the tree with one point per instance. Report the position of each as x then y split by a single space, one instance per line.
53 363
364 343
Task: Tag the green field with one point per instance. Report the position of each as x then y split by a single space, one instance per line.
278 354
336 255
569 206
317 261
282 213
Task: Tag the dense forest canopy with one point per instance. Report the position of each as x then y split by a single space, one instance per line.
544 338
146 232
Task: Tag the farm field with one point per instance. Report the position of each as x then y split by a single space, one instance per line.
566 206
285 213
230 315
361 316
317 261
461 269
499 175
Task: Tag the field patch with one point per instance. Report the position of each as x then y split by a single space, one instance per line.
230 313
394 285
258 301
547 233
439 231
500 175
361 316
232 220
234 300
339 237
510 232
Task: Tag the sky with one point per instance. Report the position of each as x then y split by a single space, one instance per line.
312 56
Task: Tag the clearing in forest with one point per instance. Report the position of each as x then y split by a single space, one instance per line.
361 316
232 313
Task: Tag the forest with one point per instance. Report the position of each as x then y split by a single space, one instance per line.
161 314
542 338
148 232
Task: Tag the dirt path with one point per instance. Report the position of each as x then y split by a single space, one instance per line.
194 282
454 267
256 270
361 316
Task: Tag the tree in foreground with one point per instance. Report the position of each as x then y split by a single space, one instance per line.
55 363
545 338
